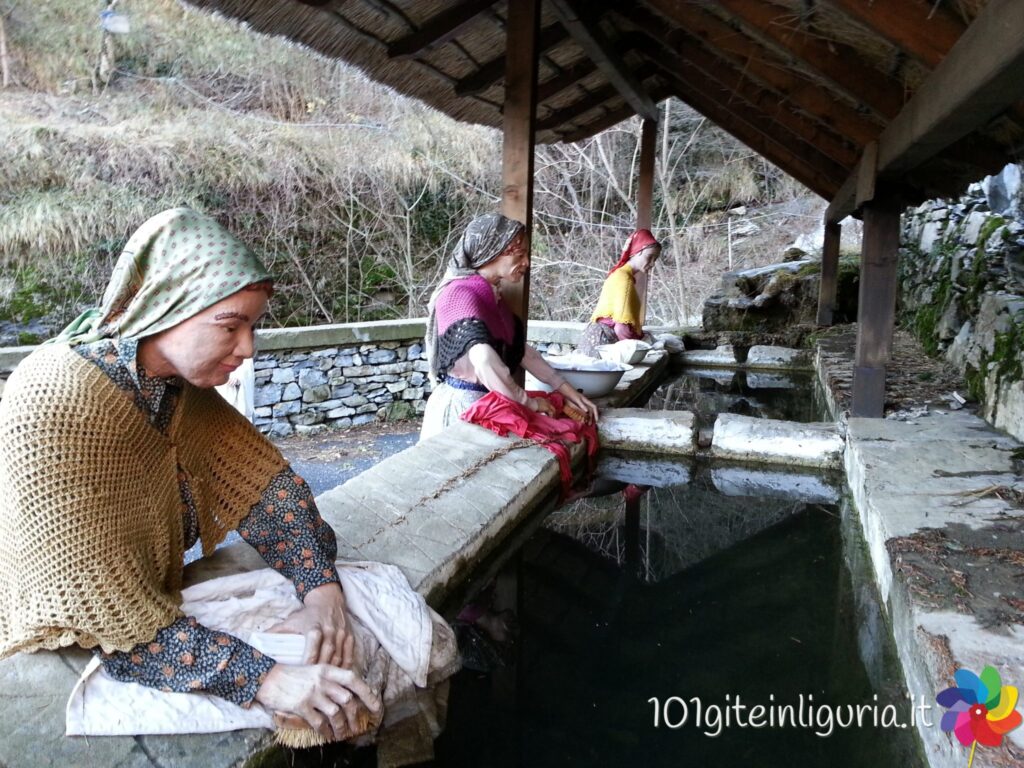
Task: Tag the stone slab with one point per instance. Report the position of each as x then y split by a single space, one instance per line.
746 438
773 357
640 430
723 356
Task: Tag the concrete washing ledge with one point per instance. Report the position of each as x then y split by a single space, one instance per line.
947 612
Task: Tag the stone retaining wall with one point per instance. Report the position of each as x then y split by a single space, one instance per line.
334 376
962 290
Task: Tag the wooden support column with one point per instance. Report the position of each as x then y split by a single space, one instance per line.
645 197
829 273
519 126
876 310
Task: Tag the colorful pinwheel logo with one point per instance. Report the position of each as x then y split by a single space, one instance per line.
981 709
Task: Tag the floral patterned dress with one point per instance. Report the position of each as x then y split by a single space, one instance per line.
284 526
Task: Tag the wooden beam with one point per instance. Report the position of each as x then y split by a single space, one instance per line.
588 35
766 69
519 123
829 273
876 307
438 29
761 134
677 51
840 65
645 199
597 125
591 100
494 70
805 153
925 31
867 173
570 76
978 79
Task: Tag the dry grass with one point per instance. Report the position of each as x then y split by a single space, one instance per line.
353 195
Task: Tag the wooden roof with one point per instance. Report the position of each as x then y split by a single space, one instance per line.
825 89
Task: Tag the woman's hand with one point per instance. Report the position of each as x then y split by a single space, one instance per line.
323 622
325 697
578 401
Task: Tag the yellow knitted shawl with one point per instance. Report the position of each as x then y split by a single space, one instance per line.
91 524
619 299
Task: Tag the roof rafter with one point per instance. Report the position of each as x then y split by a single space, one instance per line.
494 70
923 30
613 117
575 73
977 80
678 53
588 35
438 29
767 69
592 100
840 65
759 133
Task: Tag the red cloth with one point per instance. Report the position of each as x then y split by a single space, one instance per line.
639 240
503 417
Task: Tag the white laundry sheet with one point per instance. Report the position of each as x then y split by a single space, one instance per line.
378 597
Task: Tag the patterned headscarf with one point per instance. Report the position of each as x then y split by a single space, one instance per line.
484 240
177 264
640 239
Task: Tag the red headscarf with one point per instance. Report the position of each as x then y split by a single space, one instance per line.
640 239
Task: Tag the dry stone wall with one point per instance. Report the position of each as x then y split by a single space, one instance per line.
962 290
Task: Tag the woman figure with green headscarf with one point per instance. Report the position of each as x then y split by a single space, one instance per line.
116 456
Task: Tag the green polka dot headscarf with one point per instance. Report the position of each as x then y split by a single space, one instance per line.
175 265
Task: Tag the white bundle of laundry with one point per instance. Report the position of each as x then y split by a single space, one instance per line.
406 652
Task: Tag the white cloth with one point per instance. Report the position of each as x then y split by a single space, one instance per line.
240 388
378 596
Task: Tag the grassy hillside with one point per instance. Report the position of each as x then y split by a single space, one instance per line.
352 194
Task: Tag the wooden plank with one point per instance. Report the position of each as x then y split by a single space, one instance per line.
519 121
645 199
925 31
678 52
438 29
979 78
494 70
766 69
876 308
588 35
841 66
829 273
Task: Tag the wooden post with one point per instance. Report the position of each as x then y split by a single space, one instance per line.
876 310
519 124
829 272
645 197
